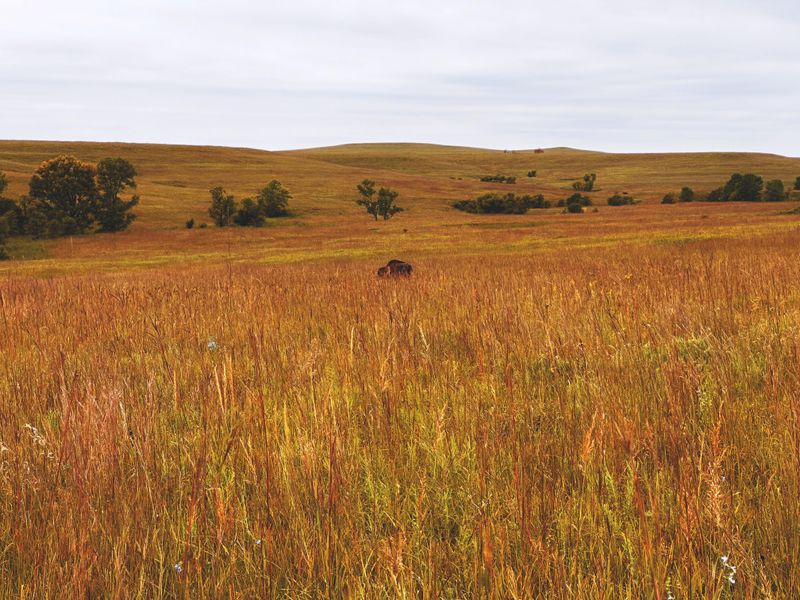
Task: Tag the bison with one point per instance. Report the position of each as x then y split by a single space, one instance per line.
395 268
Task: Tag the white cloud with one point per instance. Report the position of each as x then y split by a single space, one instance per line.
618 74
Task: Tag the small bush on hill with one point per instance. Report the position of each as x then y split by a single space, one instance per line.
687 194
775 191
587 184
499 179
190 224
797 183
669 199
531 173
249 214
622 199
574 208
576 198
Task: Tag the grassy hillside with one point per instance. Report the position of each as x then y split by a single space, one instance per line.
326 224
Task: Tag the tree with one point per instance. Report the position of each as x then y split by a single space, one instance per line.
273 200
114 176
743 188
249 214
223 207
668 199
587 184
4 182
381 206
574 207
687 194
386 203
775 192
797 183
65 190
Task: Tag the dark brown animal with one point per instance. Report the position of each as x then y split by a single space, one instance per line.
395 268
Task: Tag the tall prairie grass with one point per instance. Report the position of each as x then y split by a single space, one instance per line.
620 424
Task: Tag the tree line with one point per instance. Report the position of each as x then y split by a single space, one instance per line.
68 196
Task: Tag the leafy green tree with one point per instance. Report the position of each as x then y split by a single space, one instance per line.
379 204
687 194
743 188
249 214
65 190
775 191
114 176
273 200
716 195
366 192
387 206
223 207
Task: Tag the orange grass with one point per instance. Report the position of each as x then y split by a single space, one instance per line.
561 406
607 424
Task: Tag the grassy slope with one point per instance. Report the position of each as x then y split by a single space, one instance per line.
174 183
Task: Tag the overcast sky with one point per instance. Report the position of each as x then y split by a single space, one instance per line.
620 75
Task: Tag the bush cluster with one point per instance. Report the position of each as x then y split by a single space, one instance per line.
622 199
272 201
507 204
575 203
500 178
586 184
749 187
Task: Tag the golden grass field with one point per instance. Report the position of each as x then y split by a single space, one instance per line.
600 405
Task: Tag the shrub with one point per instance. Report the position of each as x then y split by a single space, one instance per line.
775 191
508 204
576 198
250 214
716 195
533 174
797 184
574 207
668 199
621 199
587 184
190 224
499 179
687 194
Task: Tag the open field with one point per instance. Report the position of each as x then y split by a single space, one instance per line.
595 406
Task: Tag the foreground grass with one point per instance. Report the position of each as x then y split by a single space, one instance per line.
564 424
